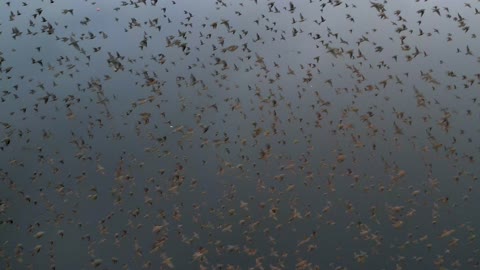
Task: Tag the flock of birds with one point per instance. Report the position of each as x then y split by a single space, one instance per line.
308 134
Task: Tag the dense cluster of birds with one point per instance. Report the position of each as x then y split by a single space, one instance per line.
223 134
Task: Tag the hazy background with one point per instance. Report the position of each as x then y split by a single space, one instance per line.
47 179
